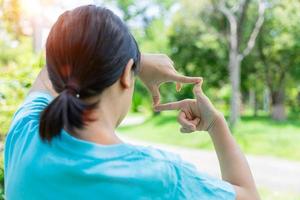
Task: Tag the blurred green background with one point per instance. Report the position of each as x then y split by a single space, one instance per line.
261 101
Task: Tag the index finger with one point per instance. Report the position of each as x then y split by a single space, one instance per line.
155 95
185 79
169 106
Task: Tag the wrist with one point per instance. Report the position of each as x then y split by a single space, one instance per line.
218 123
144 62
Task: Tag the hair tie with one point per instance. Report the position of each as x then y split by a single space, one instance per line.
73 90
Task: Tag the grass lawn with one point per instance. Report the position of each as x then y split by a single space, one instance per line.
259 135
266 194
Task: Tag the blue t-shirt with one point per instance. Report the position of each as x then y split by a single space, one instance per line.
70 168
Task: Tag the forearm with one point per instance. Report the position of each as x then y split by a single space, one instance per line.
233 164
144 61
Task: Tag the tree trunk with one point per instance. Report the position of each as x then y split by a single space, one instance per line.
253 101
236 23
234 67
266 100
278 110
256 106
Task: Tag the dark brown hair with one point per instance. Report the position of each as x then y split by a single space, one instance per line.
86 51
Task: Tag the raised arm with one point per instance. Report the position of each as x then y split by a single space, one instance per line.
43 84
155 70
201 115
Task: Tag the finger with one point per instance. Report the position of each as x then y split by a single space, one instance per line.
185 130
185 79
178 86
198 90
169 106
196 121
184 122
188 114
155 95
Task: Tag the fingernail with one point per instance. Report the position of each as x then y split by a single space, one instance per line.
178 87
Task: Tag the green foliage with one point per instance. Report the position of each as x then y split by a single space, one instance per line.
195 50
1 179
274 62
155 38
19 67
280 41
198 45
141 98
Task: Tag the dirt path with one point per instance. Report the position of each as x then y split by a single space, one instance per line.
274 174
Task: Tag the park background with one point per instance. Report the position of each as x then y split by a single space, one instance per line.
246 51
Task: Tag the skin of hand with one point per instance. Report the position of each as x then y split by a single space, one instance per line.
195 114
157 69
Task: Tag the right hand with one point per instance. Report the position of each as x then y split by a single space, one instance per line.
195 114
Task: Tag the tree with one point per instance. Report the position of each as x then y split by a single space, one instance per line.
236 17
278 47
194 49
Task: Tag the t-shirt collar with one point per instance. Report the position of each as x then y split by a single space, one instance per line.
91 149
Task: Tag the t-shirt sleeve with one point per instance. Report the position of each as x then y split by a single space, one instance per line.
32 106
25 119
192 184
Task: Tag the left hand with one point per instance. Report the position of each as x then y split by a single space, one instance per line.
159 68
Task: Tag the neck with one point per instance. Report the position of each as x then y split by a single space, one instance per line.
102 130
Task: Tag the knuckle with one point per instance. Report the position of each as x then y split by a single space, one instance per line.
184 102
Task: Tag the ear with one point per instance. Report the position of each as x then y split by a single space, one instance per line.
126 77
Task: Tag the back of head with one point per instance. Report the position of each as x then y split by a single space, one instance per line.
86 51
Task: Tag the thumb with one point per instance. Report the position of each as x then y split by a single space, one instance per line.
198 90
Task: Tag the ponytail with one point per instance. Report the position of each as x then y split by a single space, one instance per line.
65 111
87 50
